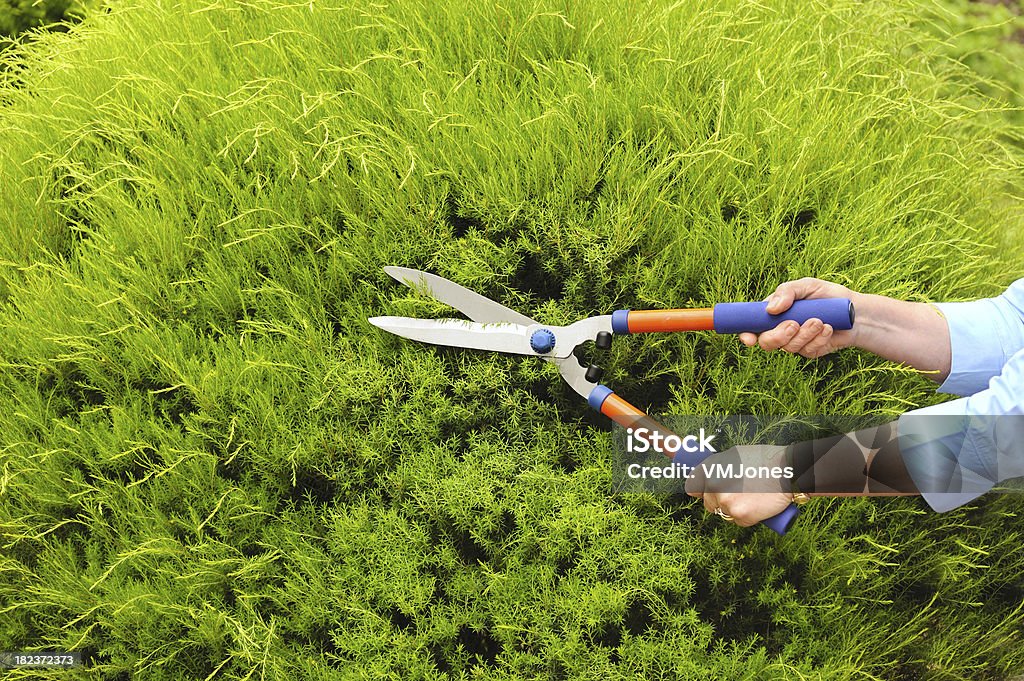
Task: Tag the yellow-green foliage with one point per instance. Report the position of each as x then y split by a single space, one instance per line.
18 16
989 38
211 466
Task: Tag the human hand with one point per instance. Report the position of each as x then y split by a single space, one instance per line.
812 339
748 499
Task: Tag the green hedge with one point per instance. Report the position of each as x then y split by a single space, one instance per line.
988 37
18 16
213 467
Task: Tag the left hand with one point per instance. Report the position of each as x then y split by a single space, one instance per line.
812 339
748 500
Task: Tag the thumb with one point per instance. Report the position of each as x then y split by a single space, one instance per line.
695 481
699 482
787 292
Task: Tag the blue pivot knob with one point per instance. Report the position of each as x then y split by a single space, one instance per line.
542 340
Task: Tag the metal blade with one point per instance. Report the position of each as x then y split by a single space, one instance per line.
511 338
470 303
575 375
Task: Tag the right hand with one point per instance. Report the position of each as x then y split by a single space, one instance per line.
813 338
749 500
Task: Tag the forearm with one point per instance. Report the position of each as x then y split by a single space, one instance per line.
866 462
914 334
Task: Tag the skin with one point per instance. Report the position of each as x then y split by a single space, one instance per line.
914 334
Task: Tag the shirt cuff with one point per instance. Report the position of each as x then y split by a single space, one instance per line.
947 454
976 344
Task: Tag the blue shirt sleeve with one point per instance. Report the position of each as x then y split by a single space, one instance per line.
983 335
960 449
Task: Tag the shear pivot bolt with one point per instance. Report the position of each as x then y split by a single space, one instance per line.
542 340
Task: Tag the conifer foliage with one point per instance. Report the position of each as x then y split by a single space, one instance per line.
212 466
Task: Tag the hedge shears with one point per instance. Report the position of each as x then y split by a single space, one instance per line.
496 328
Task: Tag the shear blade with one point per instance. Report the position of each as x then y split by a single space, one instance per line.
511 338
470 303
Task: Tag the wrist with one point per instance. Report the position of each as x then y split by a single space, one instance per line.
799 458
869 316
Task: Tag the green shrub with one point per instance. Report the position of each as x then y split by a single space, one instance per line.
213 467
988 37
18 16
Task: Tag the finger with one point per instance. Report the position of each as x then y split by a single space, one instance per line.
746 513
819 346
779 336
727 501
740 507
748 339
808 332
789 291
696 482
711 502
695 489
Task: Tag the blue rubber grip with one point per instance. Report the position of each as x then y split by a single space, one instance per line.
780 523
752 317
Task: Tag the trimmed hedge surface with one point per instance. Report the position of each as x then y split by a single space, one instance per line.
211 466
